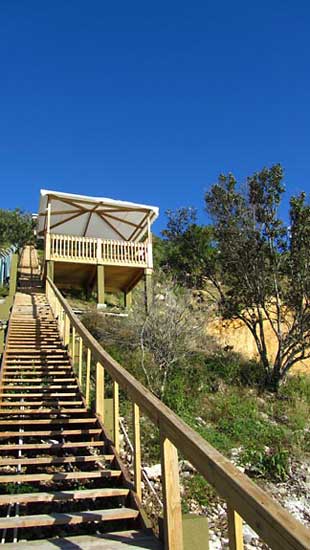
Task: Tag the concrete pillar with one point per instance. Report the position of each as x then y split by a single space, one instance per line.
100 287
148 289
50 269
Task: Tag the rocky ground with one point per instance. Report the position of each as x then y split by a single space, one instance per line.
293 494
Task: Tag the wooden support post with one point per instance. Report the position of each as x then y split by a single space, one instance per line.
116 415
148 289
50 269
87 390
100 286
127 300
80 361
100 390
171 495
235 529
137 449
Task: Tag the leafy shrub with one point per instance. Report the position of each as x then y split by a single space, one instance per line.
266 462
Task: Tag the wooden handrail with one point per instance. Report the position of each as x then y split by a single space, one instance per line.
270 521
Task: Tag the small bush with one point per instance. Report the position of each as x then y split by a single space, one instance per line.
266 462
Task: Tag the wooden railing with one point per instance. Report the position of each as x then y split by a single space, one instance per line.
245 500
110 252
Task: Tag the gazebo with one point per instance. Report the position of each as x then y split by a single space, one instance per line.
96 241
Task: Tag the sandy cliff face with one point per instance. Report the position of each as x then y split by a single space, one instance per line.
236 335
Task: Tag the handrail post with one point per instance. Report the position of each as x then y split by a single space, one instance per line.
116 415
80 361
100 390
73 347
137 449
171 494
66 333
87 390
235 529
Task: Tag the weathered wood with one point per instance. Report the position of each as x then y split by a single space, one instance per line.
137 449
88 365
171 495
63 519
63 496
55 460
100 391
80 360
33 446
116 415
235 530
58 476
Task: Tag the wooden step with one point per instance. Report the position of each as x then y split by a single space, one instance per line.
58 476
38 387
122 540
63 519
37 461
46 402
46 380
42 411
63 496
44 433
48 421
38 446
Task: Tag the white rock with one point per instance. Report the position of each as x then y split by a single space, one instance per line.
153 472
249 534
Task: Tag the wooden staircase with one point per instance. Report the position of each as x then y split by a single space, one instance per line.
61 482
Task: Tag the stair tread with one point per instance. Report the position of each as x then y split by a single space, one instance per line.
123 540
55 460
58 476
64 495
62 519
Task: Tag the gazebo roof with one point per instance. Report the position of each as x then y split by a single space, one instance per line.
97 217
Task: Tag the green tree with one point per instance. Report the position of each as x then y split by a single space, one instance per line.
262 266
16 227
187 247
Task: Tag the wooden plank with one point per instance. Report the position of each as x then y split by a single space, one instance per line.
63 519
235 530
46 402
41 433
33 446
33 421
100 391
55 460
63 496
42 411
116 415
58 476
171 495
88 365
137 449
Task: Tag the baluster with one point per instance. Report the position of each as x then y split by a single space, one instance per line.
73 347
171 495
80 361
235 529
87 390
137 449
116 415
100 390
66 330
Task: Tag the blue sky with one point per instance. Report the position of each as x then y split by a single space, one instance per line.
150 101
